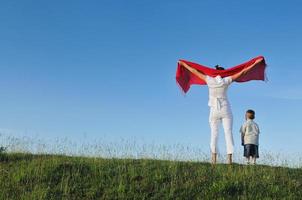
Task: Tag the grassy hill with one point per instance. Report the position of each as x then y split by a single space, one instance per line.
27 176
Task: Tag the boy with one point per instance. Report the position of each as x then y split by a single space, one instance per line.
250 137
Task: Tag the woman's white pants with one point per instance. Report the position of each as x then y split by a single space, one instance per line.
225 116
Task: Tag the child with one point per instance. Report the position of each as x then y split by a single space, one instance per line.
250 137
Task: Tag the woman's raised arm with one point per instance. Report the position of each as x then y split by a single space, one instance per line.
194 71
245 70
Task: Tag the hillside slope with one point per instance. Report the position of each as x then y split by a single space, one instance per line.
26 176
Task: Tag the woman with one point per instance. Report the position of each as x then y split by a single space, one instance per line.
220 109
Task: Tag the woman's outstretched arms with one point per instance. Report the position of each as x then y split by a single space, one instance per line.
245 70
194 71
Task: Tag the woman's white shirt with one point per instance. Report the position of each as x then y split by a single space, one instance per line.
218 87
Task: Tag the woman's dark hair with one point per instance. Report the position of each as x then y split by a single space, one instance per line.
218 67
252 114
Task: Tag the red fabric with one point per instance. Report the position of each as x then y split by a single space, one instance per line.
185 78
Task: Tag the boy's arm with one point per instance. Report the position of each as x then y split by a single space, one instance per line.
242 131
258 130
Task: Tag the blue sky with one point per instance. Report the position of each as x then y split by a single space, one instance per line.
107 68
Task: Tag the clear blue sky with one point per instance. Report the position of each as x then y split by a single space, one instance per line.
107 67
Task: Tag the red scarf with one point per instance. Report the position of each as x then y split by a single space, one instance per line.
185 78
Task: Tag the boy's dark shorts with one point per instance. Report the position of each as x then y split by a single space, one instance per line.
251 150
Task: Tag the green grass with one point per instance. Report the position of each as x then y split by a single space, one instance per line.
27 176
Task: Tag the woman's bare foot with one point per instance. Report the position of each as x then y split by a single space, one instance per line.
214 158
229 159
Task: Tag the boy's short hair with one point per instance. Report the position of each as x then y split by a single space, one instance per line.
251 114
